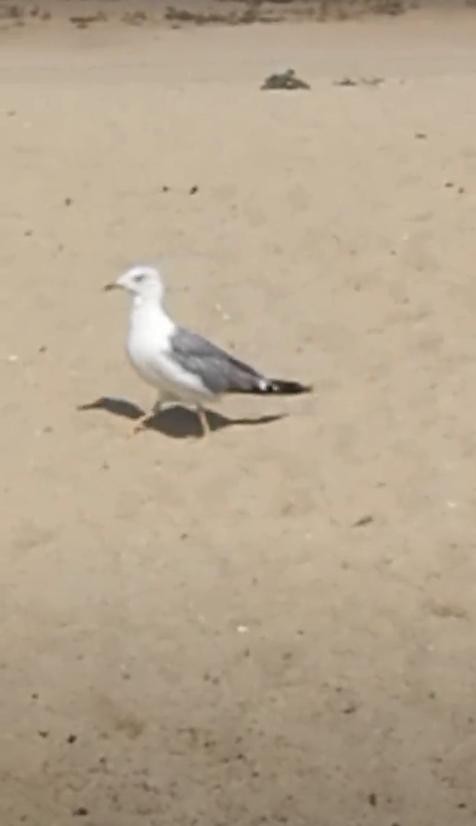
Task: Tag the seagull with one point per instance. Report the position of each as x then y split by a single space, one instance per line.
182 365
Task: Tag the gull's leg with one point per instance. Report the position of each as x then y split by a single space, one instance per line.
158 406
203 420
140 424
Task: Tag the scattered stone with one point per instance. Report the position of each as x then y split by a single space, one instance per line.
134 18
447 611
364 81
193 190
81 811
251 14
346 81
10 12
372 81
285 80
364 520
83 21
392 7
372 799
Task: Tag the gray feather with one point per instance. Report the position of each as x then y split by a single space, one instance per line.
218 371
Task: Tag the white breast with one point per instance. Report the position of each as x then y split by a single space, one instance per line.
148 348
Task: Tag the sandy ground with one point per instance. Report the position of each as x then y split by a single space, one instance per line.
276 626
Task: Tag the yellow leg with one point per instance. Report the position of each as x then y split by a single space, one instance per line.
203 421
139 425
158 405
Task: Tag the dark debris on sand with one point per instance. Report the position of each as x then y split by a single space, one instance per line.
285 80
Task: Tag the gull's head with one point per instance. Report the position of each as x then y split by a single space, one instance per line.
140 280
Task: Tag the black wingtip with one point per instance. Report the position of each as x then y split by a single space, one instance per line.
287 388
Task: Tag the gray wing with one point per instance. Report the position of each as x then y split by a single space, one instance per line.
219 372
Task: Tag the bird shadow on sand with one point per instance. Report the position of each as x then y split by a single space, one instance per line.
176 421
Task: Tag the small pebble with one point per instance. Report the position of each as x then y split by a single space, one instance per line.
285 80
364 520
71 738
351 708
81 811
193 190
68 201
346 81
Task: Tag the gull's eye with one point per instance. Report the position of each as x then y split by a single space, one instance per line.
139 278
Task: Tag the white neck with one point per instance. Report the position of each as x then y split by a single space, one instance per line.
148 300
146 311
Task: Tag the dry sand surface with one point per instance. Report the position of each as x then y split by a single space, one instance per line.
276 625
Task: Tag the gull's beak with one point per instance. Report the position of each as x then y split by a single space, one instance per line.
112 286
